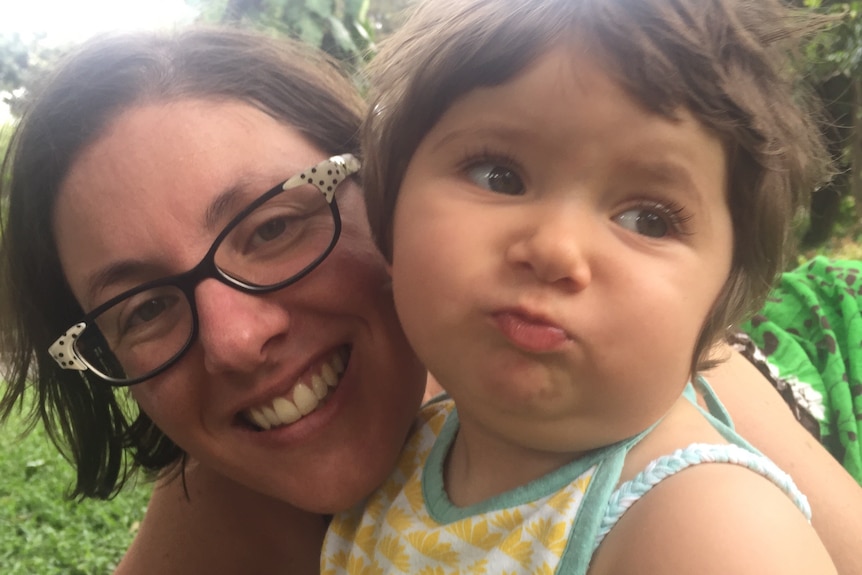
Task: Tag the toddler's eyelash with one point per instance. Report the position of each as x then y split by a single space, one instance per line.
470 159
675 213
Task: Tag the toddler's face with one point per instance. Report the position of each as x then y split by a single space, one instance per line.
557 248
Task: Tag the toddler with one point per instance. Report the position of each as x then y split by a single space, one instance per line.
577 198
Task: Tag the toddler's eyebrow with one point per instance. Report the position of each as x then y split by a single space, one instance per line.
666 172
494 132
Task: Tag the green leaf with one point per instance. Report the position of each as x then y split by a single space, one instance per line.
31 467
291 12
322 8
357 9
342 36
362 32
310 30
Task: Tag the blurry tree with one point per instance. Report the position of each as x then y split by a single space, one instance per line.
387 15
835 68
346 29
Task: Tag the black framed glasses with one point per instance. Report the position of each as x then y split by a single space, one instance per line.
273 242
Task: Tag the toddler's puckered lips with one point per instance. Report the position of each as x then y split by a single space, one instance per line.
529 332
304 397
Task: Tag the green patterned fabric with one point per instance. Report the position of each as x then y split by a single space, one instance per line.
811 330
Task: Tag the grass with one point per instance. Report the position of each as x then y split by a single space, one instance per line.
43 533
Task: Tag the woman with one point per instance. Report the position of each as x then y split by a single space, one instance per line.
140 151
137 155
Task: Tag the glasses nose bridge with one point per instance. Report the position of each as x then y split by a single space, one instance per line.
204 270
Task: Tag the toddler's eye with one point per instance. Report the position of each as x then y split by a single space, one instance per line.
650 222
496 178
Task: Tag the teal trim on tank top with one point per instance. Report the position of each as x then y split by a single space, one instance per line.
609 460
715 413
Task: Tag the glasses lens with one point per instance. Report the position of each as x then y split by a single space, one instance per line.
137 335
280 239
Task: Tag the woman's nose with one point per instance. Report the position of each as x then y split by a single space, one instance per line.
237 331
554 246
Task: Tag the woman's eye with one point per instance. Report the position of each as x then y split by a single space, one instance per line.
496 178
270 230
648 222
148 311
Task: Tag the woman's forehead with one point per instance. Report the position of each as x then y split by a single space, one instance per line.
185 151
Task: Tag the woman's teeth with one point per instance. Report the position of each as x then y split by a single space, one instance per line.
304 398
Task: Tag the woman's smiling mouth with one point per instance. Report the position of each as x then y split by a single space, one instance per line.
304 397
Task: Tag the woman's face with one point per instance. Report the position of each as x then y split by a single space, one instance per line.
146 200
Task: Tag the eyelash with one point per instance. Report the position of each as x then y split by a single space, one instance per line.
486 156
674 213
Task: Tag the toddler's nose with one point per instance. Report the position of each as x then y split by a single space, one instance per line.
555 249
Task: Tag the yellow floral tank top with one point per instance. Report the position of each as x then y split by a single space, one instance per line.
551 525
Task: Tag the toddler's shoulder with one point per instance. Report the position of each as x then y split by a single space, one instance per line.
713 518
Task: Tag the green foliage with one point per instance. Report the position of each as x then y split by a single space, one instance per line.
837 51
5 134
43 533
834 66
386 15
340 27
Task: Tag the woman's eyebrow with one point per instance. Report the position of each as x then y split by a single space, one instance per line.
131 272
224 206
